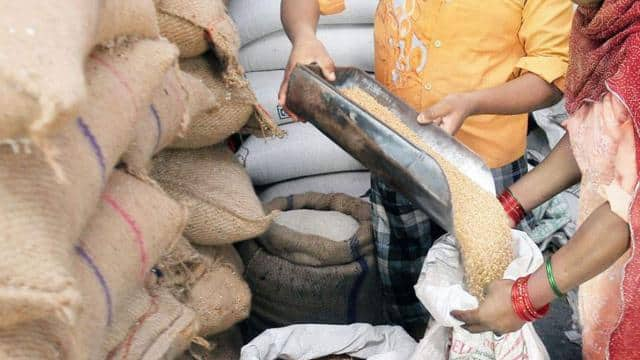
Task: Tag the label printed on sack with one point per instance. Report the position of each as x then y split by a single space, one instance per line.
282 114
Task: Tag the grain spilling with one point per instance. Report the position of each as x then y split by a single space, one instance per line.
480 222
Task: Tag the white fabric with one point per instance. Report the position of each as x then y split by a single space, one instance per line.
266 85
258 18
550 120
348 45
356 184
440 290
332 225
304 151
304 342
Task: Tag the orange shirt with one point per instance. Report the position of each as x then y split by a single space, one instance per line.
427 49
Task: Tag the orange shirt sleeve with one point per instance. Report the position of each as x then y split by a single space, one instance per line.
331 7
544 36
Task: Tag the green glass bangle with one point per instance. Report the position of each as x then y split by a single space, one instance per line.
552 280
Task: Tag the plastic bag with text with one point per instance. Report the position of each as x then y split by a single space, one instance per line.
440 289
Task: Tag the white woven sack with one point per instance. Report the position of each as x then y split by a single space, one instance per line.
266 85
258 18
348 45
354 183
304 151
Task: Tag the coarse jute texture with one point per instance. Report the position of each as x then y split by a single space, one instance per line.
38 339
200 98
197 25
208 280
44 47
480 222
159 123
224 346
126 18
223 206
313 249
40 216
134 225
153 326
286 293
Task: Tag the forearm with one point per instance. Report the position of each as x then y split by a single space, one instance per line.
299 18
598 244
555 174
524 94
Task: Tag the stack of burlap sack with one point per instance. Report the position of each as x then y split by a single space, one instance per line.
204 270
305 159
91 91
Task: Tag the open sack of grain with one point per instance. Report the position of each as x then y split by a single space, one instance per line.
42 217
223 206
353 183
208 279
45 47
315 264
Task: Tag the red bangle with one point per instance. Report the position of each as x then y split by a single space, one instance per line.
521 302
512 206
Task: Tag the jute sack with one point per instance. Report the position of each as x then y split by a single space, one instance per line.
223 207
197 25
286 293
322 236
158 124
133 226
41 217
153 326
119 18
208 280
237 109
38 339
44 47
224 346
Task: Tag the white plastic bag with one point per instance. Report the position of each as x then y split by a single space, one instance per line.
440 290
302 342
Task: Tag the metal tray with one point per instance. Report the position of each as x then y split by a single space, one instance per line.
387 154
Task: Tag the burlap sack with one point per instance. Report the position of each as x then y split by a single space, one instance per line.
197 25
225 346
223 207
135 19
285 293
159 123
44 47
201 99
41 217
38 339
313 249
154 326
134 225
210 282
237 108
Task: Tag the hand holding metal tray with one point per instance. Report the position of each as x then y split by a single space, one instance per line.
387 154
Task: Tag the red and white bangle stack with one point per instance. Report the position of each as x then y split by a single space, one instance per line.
511 206
521 302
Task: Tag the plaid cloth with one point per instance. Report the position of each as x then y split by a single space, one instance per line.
403 235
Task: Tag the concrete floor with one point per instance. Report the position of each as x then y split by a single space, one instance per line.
551 329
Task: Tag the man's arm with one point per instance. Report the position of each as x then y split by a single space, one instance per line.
300 20
522 95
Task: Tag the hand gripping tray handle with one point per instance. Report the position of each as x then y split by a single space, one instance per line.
385 153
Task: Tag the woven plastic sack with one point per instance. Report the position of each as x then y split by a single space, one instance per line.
316 247
223 207
197 25
40 216
159 123
303 151
286 293
272 52
134 225
353 183
258 18
44 47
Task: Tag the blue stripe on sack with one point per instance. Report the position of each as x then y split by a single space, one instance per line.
154 112
86 132
352 301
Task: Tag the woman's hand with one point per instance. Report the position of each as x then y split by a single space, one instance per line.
450 113
494 314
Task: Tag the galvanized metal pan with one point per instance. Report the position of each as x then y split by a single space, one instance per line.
408 169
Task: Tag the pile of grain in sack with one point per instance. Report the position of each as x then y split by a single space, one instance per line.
91 92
